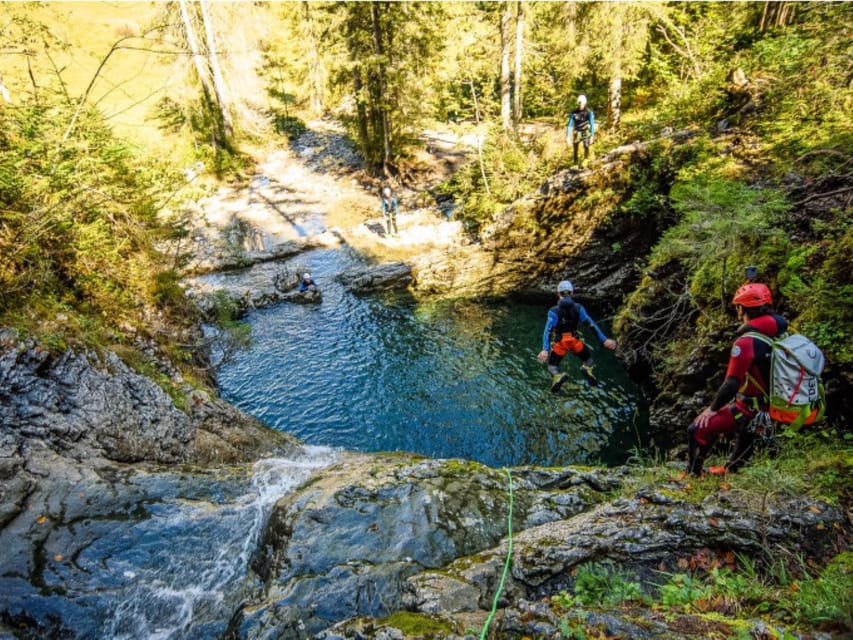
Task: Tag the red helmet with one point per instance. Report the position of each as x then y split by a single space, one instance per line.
753 294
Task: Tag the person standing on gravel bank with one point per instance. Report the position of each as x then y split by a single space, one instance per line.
389 210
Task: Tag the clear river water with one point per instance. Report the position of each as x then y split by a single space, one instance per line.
446 378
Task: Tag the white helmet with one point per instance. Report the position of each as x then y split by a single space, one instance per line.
386 192
565 287
581 99
306 276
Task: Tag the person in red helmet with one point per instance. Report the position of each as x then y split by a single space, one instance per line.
743 393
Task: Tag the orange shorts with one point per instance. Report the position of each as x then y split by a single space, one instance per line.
567 344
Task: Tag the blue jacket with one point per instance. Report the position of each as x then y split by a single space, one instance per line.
304 286
388 206
552 323
572 122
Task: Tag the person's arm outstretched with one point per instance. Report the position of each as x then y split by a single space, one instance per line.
546 337
609 343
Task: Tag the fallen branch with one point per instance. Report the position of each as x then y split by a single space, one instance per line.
825 194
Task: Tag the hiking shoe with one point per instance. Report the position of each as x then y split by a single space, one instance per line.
586 370
557 381
717 471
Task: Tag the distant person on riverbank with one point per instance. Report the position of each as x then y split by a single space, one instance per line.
307 283
743 393
561 338
580 129
389 210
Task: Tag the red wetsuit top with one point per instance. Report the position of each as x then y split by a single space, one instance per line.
749 366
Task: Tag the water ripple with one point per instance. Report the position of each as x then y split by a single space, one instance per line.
444 379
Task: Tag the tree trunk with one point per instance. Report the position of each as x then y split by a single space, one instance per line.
315 63
4 91
222 98
505 85
194 50
200 66
382 85
519 48
479 137
358 88
776 14
614 100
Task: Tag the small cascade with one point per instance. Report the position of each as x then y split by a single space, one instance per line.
184 567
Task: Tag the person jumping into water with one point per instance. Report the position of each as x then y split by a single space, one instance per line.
562 326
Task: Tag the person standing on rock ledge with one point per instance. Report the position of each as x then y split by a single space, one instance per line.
580 129
389 210
562 326
743 393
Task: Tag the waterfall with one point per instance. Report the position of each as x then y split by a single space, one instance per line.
185 567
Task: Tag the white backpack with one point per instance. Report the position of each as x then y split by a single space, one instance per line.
796 392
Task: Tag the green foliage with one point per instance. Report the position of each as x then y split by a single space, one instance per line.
747 591
512 169
418 625
682 591
798 119
388 47
290 126
78 227
599 584
816 283
725 225
194 120
573 628
230 336
826 598
605 584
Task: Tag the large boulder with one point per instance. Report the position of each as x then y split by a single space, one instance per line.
85 404
88 404
345 543
377 277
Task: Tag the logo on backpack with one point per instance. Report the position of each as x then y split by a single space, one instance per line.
796 392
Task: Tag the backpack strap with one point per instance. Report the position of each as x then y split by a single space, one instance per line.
749 378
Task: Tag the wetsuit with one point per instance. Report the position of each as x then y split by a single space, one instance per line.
582 121
562 324
389 212
740 397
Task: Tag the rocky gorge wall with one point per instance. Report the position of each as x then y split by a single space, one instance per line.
581 225
85 406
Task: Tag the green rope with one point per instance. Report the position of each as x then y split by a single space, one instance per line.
506 564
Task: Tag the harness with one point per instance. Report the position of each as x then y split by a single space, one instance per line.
568 317
581 123
762 354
